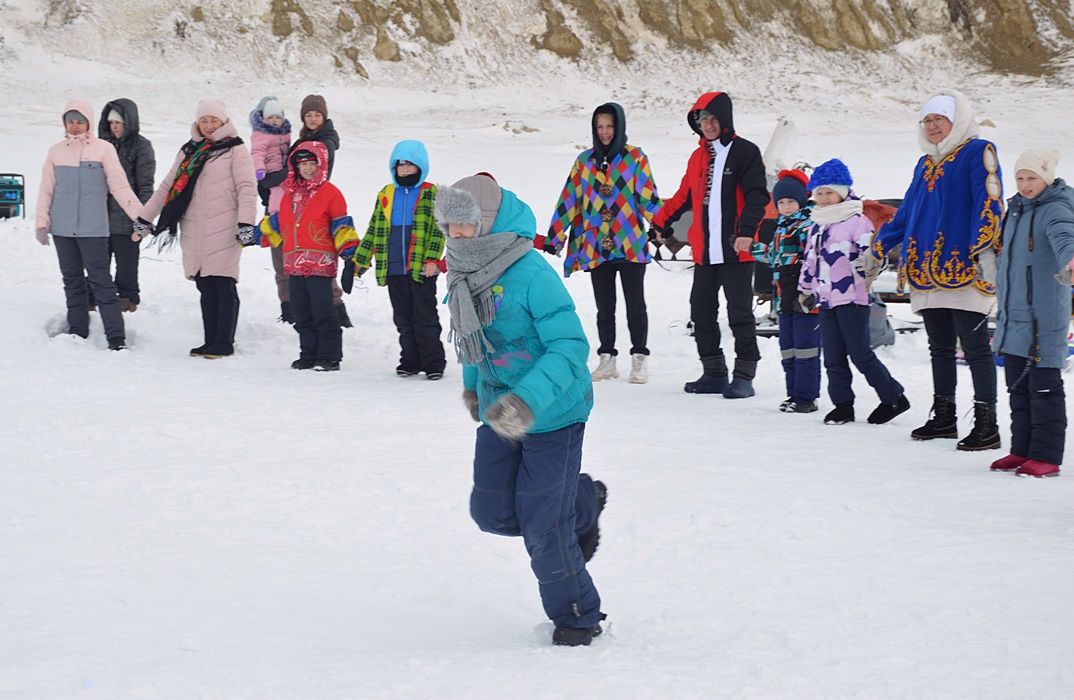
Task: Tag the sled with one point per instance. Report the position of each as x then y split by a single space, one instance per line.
12 195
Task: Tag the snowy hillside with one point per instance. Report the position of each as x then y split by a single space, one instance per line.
181 528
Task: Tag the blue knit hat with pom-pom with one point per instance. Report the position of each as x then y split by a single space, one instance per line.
832 172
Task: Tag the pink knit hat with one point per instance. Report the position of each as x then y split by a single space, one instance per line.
211 108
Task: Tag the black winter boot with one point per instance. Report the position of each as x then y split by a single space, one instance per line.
942 422
842 413
741 386
714 378
985 433
886 411
591 539
575 637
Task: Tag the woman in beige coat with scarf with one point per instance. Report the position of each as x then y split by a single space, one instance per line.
210 195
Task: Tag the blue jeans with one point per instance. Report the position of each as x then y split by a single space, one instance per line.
799 342
533 489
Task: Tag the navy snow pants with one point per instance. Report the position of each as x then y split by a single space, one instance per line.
845 336
533 489
799 343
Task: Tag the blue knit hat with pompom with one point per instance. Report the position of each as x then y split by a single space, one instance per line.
832 172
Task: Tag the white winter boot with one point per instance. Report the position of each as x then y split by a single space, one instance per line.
606 368
639 373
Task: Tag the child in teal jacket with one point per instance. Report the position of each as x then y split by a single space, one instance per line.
523 350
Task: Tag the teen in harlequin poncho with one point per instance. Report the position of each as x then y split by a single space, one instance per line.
314 232
948 227
406 243
799 329
599 220
523 351
833 278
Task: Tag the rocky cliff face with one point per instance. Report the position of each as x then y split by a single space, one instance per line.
1005 36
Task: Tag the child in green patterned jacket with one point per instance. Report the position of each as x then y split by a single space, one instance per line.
407 245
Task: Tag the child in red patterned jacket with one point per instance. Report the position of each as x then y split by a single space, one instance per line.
314 230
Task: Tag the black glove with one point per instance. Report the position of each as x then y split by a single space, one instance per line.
346 280
246 235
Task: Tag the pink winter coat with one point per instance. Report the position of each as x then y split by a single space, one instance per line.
79 174
225 195
269 151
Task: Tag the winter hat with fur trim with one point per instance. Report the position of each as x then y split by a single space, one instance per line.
1040 161
791 184
313 103
211 108
457 206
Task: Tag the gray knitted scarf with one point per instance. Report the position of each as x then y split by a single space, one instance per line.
474 265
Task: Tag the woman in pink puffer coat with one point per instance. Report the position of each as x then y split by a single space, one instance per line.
210 195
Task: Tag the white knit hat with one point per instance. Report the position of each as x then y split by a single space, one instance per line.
114 116
272 108
944 105
1039 161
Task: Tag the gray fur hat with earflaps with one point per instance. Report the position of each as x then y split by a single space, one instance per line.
456 206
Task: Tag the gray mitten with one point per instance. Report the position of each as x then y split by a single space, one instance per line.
986 266
42 236
469 399
510 417
870 266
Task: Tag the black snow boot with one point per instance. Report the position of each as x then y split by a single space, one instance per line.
942 422
842 413
591 539
285 313
714 378
303 364
886 411
985 433
576 636
741 386
800 407
341 314
326 366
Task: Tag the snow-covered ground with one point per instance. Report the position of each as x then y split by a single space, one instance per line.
180 528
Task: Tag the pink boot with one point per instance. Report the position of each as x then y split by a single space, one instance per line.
1008 463
1038 469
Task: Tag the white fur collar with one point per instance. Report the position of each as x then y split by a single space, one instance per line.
965 127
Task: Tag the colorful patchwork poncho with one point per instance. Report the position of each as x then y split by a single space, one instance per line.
599 214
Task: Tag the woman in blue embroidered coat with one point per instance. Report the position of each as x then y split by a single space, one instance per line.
948 226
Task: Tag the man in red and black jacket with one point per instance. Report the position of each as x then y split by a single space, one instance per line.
725 187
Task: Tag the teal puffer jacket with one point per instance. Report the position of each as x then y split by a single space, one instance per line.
540 348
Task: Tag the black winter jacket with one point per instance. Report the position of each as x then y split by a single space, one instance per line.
135 155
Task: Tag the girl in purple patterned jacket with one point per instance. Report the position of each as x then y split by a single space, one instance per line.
833 278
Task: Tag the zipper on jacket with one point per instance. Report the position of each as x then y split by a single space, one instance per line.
402 238
78 198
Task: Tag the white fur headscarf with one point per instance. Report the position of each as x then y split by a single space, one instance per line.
964 126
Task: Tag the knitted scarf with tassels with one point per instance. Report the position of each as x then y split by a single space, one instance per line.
474 265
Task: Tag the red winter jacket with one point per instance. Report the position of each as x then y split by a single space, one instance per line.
743 187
